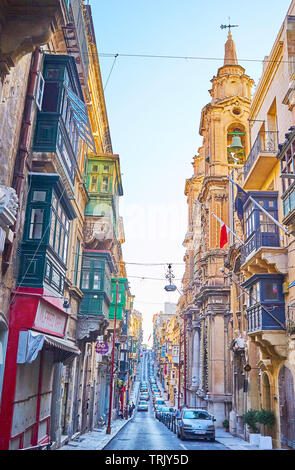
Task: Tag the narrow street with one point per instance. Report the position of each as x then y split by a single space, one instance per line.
145 432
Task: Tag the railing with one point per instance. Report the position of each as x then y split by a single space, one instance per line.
266 142
265 235
289 201
39 447
264 317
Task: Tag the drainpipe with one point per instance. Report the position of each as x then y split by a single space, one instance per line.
26 125
23 149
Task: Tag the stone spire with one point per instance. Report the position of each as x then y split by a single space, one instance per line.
230 56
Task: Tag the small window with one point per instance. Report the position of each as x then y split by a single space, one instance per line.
95 168
106 169
105 185
85 280
39 196
36 224
93 185
40 91
50 97
96 281
271 290
52 73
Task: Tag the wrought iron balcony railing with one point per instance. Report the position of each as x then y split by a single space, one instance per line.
265 235
259 318
266 142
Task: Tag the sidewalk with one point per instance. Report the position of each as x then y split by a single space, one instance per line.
98 439
232 442
221 436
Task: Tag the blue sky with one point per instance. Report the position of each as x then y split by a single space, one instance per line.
154 108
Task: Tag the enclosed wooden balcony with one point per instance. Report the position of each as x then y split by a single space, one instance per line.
261 160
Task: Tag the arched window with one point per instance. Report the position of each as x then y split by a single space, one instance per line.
236 144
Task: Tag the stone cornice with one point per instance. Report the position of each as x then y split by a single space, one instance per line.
274 61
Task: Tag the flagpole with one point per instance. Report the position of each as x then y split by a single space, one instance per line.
222 223
262 209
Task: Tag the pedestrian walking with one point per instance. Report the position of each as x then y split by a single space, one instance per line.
133 406
130 411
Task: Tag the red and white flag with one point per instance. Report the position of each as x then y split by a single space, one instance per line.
149 338
223 235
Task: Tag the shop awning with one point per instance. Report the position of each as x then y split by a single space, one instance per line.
31 343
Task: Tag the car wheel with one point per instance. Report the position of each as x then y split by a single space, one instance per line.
182 436
212 439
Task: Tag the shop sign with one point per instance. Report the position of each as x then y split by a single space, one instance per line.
102 348
50 320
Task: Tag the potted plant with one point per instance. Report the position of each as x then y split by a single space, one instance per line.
225 424
291 328
267 419
250 419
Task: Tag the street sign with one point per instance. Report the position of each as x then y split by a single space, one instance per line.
102 348
247 368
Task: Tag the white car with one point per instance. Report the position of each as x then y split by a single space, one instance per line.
142 406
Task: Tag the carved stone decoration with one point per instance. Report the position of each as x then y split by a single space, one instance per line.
98 228
8 206
89 327
8 211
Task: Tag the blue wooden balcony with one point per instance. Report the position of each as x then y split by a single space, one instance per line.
264 236
258 319
261 159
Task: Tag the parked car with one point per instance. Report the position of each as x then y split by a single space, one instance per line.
195 423
160 410
159 401
142 406
165 415
144 396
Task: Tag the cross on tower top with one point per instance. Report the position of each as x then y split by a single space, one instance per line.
229 26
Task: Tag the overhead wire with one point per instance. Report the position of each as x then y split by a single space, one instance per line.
165 56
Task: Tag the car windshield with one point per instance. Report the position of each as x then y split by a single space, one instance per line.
160 402
142 403
196 415
164 408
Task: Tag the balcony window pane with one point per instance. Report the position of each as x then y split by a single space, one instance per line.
292 200
36 224
54 201
96 281
39 196
57 236
93 184
52 229
271 290
61 244
105 185
85 279
65 250
50 97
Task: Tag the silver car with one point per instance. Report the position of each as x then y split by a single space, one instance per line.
142 406
195 423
